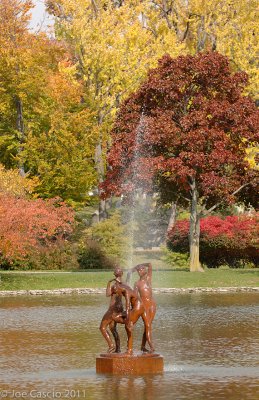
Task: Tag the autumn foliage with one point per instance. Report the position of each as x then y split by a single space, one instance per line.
187 133
231 240
27 226
184 135
189 119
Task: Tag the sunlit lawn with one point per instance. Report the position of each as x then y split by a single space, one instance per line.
98 279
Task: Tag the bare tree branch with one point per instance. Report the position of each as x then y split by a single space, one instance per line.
205 212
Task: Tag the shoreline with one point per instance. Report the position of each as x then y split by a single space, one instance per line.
79 291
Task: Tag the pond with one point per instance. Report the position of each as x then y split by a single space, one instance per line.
210 344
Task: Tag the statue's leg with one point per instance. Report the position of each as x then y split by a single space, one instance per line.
147 317
144 341
148 333
116 336
119 317
129 328
133 318
103 328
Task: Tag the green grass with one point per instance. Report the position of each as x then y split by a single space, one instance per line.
53 280
210 278
91 279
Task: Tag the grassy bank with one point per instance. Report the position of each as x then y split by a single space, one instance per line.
90 279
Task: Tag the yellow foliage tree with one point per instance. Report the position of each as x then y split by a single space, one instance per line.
12 183
252 156
115 43
61 152
23 60
45 128
114 48
229 27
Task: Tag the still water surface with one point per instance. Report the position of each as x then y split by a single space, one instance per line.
210 344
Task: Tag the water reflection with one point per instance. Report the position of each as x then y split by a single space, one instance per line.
210 343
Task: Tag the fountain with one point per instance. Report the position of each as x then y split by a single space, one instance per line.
138 303
136 191
209 342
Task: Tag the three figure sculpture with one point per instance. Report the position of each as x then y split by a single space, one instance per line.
138 303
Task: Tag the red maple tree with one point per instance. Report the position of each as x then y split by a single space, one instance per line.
184 134
28 225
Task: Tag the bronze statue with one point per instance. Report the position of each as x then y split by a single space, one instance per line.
134 310
113 315
139 303
144 288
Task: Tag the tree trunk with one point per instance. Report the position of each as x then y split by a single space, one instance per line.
102 213
194 233
20 129
202 35
172 218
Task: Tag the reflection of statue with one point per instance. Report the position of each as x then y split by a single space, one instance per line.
113 315
144 288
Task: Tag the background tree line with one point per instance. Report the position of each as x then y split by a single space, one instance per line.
59 96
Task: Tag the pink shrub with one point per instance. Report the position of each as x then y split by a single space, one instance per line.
229 240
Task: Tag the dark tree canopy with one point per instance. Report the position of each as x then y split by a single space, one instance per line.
189 120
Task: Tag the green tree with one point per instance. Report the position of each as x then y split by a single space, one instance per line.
112 236
45 129
60 151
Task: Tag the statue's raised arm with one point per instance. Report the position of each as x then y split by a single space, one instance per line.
149 270
148 267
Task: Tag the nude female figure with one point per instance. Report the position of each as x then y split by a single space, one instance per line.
115 314
144 288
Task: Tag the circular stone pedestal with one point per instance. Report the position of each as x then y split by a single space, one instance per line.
124 364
